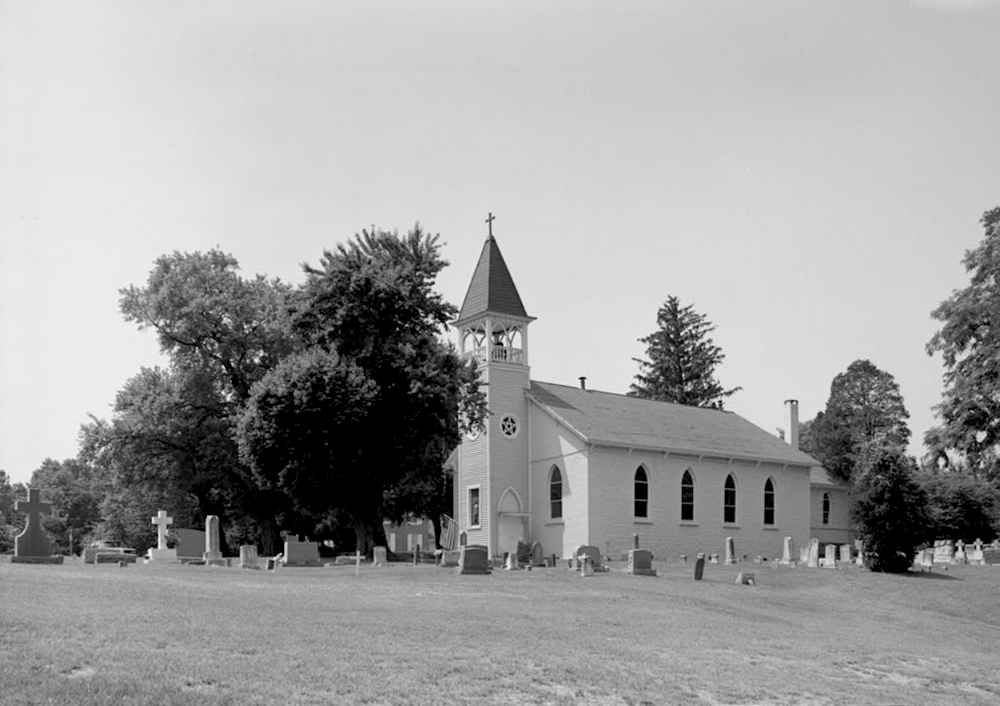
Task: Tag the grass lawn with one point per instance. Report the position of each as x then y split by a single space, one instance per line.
192 635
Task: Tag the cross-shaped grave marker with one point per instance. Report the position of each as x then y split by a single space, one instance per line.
33 544
162 522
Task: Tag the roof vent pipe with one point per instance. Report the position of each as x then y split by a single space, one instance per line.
793 423
583 382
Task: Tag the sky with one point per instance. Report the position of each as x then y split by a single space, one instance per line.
806 175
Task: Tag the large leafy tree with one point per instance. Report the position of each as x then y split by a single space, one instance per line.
169 445
865 407
961 506
222 333
359 426
969 344
681 359
75 492
888 508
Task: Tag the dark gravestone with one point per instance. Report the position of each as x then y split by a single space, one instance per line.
32 545
991 555
463 539
699 567
537 558
474 560
640 562
523 552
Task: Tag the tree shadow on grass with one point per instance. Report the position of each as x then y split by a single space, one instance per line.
931 575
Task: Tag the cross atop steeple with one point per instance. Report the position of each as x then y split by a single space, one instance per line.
489 222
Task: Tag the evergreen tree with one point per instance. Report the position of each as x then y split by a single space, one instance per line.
888 509
680 360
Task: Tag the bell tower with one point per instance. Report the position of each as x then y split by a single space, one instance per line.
492 476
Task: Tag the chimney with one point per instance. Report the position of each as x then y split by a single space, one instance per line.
583 382
793 432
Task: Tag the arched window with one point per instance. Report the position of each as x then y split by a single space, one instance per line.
769 502
826 508
555 493
687 497
729 501
641 493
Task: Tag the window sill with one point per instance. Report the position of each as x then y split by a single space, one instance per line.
642 521
771 528
472 527
552 523
729 525
687 523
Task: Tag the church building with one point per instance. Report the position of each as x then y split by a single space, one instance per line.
568 466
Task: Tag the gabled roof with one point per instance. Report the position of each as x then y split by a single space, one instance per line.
492 288
820 476
618 420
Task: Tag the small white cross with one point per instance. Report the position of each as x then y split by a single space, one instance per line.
161 521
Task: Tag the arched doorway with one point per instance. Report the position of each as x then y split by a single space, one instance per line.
510 529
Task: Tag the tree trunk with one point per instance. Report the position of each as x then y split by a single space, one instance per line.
269 537
436 521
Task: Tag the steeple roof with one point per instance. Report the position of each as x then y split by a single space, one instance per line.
492 288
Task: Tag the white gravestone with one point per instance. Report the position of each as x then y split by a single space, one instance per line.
845 553
161 552
787 552
380 556
730 551
813 553
248 556
829 560
212 553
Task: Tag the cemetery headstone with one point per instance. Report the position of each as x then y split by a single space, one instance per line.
416 554
976 556
730 551
380 556
713 558
523 552
699 567
248 556
537 558
829 560
32 546
463 539
804 554
787 551
744 579
299 553
991 556
595 556
511 563
944 552
450 557
845 553
635 541
683 558
960 556
212 555
161 552
640 562
586 567
473 559
813 553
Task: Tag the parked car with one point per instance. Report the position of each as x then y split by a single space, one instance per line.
104 546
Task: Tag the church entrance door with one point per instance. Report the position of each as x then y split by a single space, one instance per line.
511 527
